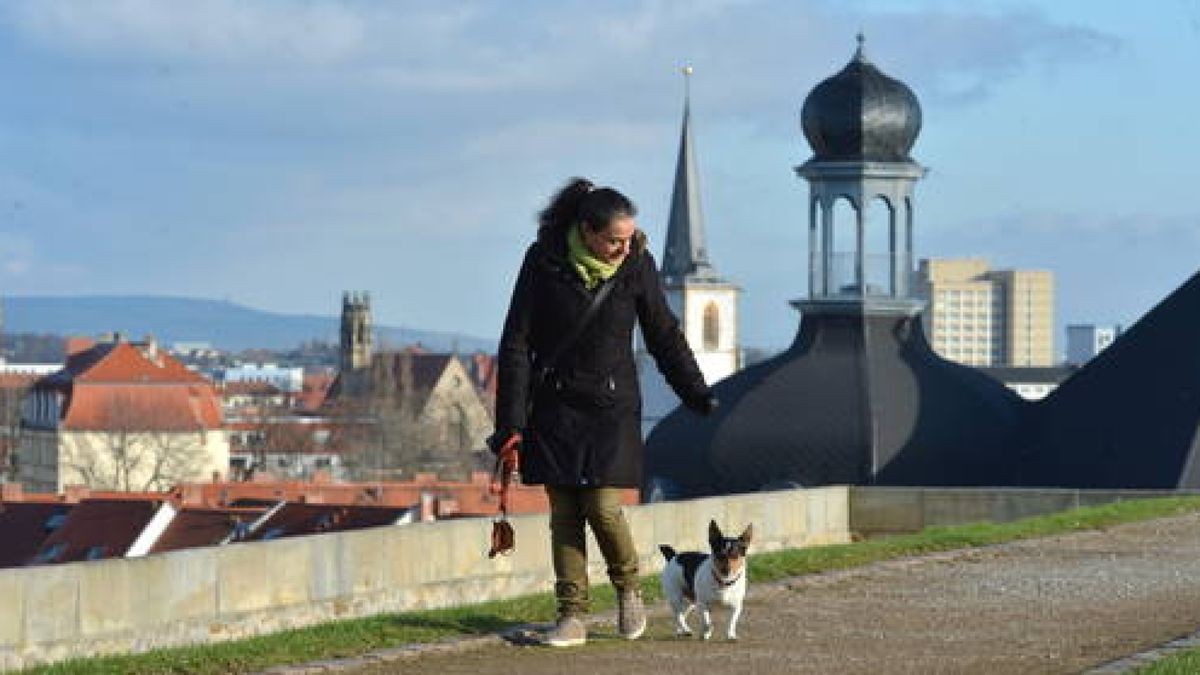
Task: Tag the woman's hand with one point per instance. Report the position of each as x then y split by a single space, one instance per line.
499 439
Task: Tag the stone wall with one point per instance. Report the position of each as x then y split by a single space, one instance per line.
218 593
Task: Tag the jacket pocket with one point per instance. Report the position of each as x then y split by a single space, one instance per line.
584 389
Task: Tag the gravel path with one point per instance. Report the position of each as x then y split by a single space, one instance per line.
1057 605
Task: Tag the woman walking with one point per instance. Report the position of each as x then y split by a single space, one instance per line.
568 385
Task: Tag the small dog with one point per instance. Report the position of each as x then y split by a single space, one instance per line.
693 579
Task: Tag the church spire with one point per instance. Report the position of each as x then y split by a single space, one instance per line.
686 255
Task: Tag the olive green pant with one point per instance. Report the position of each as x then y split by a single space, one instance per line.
570 509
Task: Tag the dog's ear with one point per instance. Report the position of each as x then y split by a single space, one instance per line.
714 533
747 535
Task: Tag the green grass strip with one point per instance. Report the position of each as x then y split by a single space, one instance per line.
356 636
1182 663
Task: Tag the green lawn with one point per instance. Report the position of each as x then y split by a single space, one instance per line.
1186 662
355 636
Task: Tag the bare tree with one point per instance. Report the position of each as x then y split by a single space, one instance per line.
137 445
399 426
276 430
11 399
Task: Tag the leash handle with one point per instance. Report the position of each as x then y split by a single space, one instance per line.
507 471
508 468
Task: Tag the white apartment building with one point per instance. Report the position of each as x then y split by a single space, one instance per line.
1085 341
983 317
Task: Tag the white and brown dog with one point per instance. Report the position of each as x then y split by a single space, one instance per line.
694 579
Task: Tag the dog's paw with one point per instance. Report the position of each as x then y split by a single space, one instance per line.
706 635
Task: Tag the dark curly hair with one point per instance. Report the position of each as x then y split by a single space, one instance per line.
580 201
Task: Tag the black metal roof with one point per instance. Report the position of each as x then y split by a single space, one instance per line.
861 114
858 399
864 400
1029 374
1130 418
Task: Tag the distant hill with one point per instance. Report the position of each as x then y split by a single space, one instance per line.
224 325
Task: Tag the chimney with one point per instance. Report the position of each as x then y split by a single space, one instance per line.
76 493
11 492
428 506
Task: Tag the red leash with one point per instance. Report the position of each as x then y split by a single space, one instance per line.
507 472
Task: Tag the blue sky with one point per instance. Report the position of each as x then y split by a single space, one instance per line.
278 152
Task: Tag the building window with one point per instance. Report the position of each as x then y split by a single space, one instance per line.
55 521
50 553
712 327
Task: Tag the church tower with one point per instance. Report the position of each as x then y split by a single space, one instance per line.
356 341
705 303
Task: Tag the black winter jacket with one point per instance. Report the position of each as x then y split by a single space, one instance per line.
585 426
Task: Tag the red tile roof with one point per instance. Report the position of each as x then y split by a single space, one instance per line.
24 526
123 385
125 362
76 344
464 498
192 528
98 528
142 407
294 519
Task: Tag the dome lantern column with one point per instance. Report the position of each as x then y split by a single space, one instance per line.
861 125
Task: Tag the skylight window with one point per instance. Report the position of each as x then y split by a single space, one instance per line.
49 554
55 521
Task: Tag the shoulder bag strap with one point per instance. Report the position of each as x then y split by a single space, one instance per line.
577 330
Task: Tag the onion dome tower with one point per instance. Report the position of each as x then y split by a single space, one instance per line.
859 397
861 125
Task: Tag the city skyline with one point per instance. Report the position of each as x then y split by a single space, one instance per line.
279 153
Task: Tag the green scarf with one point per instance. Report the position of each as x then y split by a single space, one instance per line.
590 268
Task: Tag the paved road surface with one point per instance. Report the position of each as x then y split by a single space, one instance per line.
1058 605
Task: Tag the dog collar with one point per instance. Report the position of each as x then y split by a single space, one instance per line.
722 582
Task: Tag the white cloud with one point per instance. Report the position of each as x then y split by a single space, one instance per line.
324 130
16 255
16 268
192 30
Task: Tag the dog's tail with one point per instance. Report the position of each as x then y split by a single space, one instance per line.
667 551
